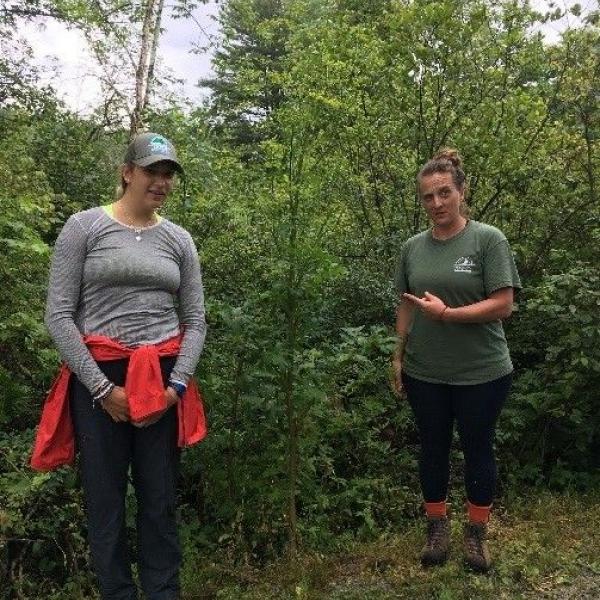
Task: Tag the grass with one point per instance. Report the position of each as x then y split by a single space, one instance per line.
545 546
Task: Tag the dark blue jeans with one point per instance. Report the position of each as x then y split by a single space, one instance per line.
106 452
476 409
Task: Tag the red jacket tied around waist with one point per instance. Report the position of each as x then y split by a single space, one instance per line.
55 438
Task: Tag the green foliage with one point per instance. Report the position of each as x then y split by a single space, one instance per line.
364 459
552 423
79 160
41 516
25 219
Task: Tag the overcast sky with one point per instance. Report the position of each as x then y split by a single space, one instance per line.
79 88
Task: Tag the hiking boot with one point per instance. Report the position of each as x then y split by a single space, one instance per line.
435 551
477 554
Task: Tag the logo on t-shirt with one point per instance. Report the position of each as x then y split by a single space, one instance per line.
465 264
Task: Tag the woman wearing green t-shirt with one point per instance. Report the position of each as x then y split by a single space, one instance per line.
456 283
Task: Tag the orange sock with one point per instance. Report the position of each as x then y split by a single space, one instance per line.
435 509
478 514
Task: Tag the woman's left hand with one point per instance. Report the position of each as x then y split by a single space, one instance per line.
431 306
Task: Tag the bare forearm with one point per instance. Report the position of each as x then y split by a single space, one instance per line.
497 306
486 310
404 317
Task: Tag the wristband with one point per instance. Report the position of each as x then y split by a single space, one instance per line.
179 388
442 313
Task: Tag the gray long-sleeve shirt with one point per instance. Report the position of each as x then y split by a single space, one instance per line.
104 281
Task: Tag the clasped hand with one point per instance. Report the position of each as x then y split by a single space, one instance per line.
117 406
431 306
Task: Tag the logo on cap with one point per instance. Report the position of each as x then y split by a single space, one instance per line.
159 145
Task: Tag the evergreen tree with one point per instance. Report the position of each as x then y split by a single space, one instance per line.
248 68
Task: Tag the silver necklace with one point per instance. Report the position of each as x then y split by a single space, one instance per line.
137 229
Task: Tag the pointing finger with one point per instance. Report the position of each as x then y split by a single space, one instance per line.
411 298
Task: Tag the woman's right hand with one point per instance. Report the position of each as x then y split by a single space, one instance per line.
396 374
116 405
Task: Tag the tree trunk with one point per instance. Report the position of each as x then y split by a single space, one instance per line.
152 60
144 75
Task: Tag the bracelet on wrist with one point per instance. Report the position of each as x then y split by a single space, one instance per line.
443 311
103 393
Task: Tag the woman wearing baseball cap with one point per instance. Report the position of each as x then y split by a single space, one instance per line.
125 309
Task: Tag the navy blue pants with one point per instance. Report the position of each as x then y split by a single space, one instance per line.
107 450
476 409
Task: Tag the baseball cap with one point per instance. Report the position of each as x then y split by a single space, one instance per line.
149 148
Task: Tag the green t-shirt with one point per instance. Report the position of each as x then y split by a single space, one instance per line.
462 270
